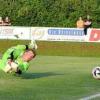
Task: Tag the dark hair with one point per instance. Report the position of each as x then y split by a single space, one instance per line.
26 47
11 56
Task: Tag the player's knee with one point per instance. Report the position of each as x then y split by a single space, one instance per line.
14 66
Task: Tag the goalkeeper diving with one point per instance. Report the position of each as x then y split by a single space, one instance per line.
16 59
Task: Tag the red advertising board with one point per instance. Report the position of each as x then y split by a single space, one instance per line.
94 35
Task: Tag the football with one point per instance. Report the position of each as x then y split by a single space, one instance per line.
96 72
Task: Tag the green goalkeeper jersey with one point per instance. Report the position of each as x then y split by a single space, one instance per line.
15 53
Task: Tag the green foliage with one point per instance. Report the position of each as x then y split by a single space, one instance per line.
58 13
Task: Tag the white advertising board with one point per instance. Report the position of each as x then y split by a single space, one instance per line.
21 33
49 34
57 34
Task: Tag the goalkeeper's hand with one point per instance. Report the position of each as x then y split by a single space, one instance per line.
9 61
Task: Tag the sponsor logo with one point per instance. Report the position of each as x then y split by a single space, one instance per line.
94 35
38 33
8 31
71 32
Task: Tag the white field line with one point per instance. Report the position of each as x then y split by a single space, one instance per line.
91 97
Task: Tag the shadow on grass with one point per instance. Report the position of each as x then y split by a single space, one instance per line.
37 75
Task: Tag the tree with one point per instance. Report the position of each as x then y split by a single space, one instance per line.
54 13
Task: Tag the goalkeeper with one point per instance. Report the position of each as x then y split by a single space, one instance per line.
16 59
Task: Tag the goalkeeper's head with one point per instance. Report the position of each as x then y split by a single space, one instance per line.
30 52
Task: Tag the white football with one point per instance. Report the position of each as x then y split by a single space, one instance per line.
96 72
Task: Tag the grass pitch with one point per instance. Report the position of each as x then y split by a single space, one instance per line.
52 78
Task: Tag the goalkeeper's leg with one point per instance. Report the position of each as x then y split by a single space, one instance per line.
14 68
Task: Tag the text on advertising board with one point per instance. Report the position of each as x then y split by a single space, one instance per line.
72 32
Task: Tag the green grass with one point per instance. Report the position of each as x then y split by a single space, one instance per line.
52 78
58 48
